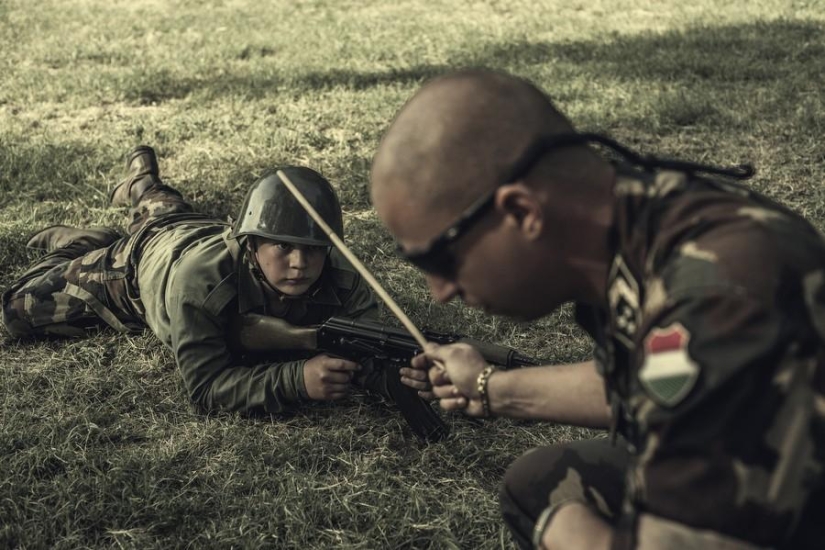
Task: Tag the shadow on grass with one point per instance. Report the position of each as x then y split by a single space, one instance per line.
160 86
222 201
47 171
780 56
723 77
763 51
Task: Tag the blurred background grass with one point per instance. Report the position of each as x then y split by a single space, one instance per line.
98 447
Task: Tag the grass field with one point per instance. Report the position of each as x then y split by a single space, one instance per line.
98 447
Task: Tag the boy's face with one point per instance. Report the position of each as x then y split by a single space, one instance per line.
290 268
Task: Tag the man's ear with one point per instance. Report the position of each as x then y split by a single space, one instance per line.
522 208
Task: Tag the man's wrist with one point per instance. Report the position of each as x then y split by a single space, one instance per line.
498 396
482 386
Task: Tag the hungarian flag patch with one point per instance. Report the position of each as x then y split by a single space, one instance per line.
668 372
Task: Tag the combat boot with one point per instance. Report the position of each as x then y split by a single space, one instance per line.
142 173
61 236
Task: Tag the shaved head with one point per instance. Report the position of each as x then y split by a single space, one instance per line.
456 142
458 136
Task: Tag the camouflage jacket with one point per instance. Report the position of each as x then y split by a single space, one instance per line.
194 281
713 356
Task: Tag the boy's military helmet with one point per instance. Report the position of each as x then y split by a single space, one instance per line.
272 212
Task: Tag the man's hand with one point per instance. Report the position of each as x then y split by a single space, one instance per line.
453 372
327 378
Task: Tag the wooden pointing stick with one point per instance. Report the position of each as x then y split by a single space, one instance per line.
356 263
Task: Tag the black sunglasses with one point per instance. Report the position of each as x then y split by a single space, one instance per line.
437 258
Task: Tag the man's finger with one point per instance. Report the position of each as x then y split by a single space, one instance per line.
434 356
435 352
450 353
446 391
438 376
453 403
421 362
416 384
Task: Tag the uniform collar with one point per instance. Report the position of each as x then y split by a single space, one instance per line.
252 297
324 290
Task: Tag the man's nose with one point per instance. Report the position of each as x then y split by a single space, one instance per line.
442 290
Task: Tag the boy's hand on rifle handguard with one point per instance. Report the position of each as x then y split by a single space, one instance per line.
418 380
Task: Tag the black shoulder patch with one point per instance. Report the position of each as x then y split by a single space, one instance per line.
623 298
221 295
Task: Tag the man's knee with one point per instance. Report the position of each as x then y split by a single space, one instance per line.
535 468
591 471
524 491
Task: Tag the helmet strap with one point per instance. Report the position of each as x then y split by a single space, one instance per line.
255 267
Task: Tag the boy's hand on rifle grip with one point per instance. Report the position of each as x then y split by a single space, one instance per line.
327 378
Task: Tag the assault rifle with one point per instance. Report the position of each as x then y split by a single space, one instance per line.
359 340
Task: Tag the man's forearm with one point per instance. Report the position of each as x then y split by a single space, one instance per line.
568 394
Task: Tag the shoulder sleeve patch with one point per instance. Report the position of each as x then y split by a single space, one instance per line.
668 372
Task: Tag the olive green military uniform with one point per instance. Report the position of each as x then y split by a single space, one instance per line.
182 275
713 354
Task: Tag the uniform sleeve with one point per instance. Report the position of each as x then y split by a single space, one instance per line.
722 400
213 381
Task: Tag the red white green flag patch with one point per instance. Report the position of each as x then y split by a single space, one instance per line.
668 372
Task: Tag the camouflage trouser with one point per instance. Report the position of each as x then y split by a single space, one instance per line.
590 471
73 289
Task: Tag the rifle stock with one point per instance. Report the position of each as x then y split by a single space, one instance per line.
261 334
